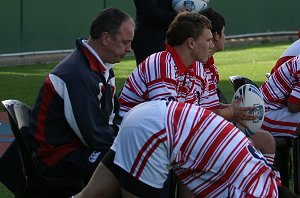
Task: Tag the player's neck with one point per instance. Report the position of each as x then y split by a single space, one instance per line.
184 55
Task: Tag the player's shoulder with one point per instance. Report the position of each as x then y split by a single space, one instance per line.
292 50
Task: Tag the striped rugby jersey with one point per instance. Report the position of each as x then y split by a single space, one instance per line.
292 51
212 76
216 158
283 85
209 155
164 76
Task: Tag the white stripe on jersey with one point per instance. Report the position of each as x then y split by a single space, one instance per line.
282 86
283 83
212 153
209 155
159 78
212 77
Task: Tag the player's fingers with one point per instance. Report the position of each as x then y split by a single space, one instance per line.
247 108
249 117
242 123
238 100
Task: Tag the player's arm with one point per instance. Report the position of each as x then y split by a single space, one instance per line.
293 100
293 108
223 106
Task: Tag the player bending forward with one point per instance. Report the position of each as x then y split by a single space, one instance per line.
208 154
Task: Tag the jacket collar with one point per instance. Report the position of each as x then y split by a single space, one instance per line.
95 62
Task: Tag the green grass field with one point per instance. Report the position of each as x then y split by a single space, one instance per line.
23 82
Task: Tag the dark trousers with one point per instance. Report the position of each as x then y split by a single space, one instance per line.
11 172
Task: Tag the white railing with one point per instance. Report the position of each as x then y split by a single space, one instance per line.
240 36
263 34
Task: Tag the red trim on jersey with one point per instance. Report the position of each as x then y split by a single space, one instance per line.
294 100
133 87
210 61
209 65
95 65
204 119
162 61
277 122
267 93
286 131
182 69
180 107
246 160
280 62
231 169
143 156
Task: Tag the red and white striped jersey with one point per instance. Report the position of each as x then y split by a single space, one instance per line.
283 85
215 158
164 76
212 76
292 51
209 155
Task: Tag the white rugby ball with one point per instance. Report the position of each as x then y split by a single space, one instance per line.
251 97
189 5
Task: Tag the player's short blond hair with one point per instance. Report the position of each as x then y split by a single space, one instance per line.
186 25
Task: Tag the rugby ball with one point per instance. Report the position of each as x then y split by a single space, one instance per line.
251 97
189 5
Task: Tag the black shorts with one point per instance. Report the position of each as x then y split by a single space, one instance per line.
128 182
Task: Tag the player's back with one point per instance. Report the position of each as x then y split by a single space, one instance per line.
292 51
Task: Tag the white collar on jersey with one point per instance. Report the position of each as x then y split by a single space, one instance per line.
108 66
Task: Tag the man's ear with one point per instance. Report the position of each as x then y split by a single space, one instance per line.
105 38
216 36
190 43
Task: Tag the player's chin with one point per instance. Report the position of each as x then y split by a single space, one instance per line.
121 56
203 59
118 59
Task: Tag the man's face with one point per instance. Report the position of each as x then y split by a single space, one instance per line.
120 44
219 41
203 46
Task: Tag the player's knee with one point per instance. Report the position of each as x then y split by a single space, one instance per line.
264 142
184 192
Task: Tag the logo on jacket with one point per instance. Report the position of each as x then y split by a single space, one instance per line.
101 88
93 157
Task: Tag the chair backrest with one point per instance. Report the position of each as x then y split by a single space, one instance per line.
221 96
18 113
238 81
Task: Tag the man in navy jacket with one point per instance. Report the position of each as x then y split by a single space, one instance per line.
75 118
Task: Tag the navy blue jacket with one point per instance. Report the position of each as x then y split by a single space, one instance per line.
75 108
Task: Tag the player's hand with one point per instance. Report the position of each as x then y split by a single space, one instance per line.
240 114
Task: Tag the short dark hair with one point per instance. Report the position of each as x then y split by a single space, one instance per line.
186 25
217 20
108 20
